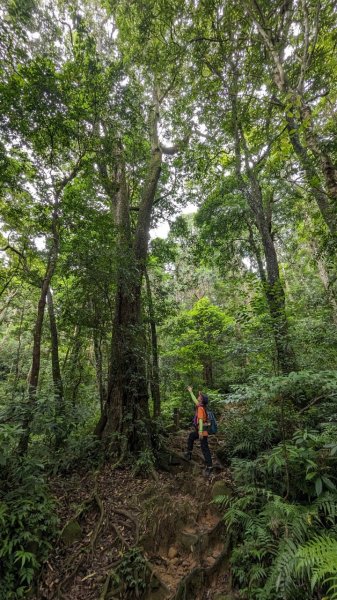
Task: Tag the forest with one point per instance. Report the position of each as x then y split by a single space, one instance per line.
168 230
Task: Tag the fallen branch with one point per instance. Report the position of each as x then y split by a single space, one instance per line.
315 400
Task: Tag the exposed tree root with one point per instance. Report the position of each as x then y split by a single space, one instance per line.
168 460
65 582
120 536
154 574
200 577
105 587
150 574
128 515
207 539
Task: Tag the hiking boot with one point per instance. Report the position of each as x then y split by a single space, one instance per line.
208 471
188 455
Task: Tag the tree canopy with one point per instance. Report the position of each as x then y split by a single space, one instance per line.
217 119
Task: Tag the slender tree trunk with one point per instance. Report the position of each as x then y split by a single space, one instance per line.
262 215
56 371
297 114
328 211
33 377
276 302
208 373
317 148
99 368
325 279
154 379
18 354
74 377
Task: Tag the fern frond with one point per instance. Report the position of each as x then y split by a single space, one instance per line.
318 559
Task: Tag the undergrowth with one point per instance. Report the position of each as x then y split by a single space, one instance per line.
27 518
282 519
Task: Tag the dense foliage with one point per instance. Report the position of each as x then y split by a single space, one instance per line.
283 515
218 118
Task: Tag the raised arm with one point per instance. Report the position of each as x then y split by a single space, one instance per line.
190 389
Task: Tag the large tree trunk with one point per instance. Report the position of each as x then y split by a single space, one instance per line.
126 419
276 303
56 371
154 379
127 412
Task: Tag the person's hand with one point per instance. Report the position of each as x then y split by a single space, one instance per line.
200 436
189 387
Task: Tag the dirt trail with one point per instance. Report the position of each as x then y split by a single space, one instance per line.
181 550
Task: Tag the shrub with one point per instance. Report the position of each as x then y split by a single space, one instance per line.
27 518
282 520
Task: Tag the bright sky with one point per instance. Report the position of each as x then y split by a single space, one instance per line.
163 229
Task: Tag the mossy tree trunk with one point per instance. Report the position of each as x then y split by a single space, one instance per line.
126 418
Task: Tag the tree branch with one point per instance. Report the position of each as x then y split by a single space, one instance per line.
68 178
281 79
9 247
171 150
305 54
269 147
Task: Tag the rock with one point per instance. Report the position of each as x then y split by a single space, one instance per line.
220 488
172 553
175 561
222 455
154 584
187 540
71 533
210 561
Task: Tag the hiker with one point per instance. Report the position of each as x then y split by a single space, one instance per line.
200 431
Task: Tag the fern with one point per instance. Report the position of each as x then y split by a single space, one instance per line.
318 559
326 504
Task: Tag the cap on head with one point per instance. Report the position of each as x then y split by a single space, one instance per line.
204 399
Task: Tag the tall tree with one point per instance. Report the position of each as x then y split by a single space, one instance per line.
301 63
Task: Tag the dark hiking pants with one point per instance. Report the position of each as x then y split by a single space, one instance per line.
194 435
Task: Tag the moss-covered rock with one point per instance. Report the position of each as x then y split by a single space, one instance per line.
187 540
220 488
222 455
72 532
